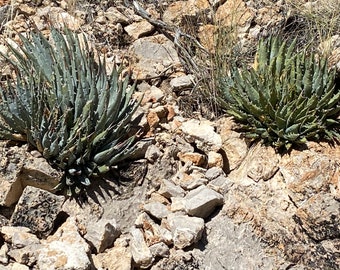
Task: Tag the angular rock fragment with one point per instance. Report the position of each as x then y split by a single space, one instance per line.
139 29
156 209
101 234
65 249
320 217
185 230
160 250
182 82
37 209
153 233
153 56
202 201
202 133
116 258
169 189
141 253
19 237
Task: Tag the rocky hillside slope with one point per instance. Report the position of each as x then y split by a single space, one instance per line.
196 195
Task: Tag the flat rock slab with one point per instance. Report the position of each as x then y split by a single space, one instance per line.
37 209
202 201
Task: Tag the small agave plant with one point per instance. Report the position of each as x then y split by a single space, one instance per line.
63 103
286 99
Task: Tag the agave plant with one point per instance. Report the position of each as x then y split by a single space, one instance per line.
287 97
63 102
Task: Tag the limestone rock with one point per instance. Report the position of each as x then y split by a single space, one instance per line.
202 134
19 266
320 217
37 209
26 255
114 16
202 201
182 82
168 189
234 12
11 161
116 258
185 230
153 153
139 29
37 172
141 253
235 148
195 158
160 250
156 209
261 163
215 160
153 232
58 17
304 173
191 180
178 10
153 56
66 249
101 234
3 254
150 93
213 173
19 237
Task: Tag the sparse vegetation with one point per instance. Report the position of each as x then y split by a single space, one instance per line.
63 103
287 98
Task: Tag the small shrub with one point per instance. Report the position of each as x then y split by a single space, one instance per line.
287 98
64 104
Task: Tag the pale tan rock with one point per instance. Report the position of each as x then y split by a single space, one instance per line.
66 249
215 160
160 250
234 13
190 181
153 233
153 56
195 158
102 233
261 163
139 29
168 189
37 172
309 172
58 17
185 230
234 147
320 216
182 82
207 37
116 258
141 253
19 237
114 16
4 259
26 255
203 134
156 209
18 266
202 201
176 11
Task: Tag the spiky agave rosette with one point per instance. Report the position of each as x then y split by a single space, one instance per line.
287 98
64 103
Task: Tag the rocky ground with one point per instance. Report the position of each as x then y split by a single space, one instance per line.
196 195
